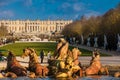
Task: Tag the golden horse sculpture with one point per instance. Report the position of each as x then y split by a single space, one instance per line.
71 63
95 65
65 62
61 49
14 68
117 74
34 64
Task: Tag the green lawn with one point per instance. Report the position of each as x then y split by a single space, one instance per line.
17 48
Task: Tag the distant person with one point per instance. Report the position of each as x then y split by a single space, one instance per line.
42 56
49 55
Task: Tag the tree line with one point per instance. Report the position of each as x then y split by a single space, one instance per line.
107 24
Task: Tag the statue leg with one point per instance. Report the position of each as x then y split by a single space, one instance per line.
81 73
107 72
104 69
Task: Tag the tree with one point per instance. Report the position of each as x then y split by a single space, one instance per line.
3 31
73 29
111 21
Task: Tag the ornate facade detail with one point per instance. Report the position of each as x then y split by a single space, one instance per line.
34 27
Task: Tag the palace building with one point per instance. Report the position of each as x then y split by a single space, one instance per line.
34 26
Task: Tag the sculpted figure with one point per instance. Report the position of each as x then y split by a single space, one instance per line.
118 44
76 53
72 64
88 42
95 42
95 65
61 49
14 66
34 64
82 40
105 42
65 62
69 60
117 74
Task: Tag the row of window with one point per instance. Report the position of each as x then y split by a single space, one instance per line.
32 28
38 23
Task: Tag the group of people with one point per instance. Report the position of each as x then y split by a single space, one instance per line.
42 54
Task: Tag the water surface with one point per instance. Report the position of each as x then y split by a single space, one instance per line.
83 78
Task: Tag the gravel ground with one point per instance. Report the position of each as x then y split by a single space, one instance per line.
110 61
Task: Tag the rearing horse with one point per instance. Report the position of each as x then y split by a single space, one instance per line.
34 64
72 64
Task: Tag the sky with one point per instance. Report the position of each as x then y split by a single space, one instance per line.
54 9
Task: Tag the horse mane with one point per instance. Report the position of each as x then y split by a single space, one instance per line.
33 56
32 50
11 57
11 53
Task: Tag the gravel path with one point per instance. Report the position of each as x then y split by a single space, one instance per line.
113 53
111 61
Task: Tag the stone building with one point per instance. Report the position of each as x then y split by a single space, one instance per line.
28 27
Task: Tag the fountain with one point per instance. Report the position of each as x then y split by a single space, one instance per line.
65 62
65 65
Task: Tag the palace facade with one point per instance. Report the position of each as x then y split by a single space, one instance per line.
34 27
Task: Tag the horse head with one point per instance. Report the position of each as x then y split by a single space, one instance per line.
28 52
11 56
32 55
95 55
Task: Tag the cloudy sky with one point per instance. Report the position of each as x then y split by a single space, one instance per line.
53 9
